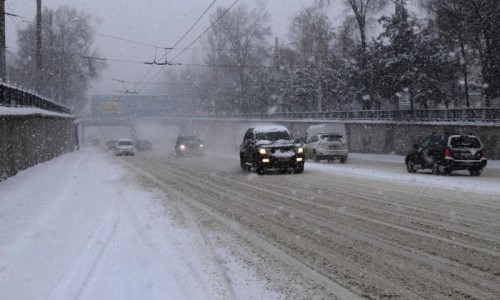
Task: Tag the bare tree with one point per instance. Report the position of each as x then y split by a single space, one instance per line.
474 23
238 43
67 38
312 34
361 10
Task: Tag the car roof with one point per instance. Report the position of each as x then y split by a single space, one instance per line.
269 128
188 137
453 134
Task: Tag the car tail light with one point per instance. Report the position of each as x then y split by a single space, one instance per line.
447 153
483 153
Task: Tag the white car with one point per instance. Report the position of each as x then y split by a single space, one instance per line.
329 146
125 147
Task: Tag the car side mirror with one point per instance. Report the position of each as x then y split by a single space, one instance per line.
415 146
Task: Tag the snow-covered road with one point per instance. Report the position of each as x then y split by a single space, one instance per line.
88 225
80 227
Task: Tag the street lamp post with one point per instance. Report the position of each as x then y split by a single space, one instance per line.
62 84
3 64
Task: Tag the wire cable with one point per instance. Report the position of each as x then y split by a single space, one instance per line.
129 41
195 40
178 41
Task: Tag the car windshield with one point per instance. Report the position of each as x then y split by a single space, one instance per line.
331 137
250 149
273 136
190 139
125 143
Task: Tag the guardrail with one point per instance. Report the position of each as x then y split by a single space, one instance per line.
12 96
425 115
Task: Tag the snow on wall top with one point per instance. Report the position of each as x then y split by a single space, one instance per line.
26 111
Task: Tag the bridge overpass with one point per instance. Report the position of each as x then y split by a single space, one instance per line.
34 129
369 131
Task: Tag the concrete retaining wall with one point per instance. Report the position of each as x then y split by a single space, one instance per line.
382 138
28 140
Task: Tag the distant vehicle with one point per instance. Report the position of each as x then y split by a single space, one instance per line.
111 144
93 141
444 153
270 147
326 142
188 144
142 145
125 147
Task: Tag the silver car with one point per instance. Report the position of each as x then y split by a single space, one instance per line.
125 147
326 146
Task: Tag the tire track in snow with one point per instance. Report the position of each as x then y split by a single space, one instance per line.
217 280
332 286
208 176
76 279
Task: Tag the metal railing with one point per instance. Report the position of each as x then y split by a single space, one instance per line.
490 115
12 96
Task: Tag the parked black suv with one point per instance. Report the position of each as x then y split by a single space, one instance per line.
270 147
444 153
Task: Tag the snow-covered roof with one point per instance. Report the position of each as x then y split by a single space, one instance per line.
269 127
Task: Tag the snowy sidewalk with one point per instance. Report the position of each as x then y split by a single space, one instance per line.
79 227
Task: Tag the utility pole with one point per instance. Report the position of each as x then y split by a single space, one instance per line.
39 80
3 63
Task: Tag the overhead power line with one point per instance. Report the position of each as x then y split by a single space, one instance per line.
176 43
128 61
195 23
17 16
195 40
206 30
130 41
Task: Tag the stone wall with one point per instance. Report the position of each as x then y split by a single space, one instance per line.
363 137
399 138
29 140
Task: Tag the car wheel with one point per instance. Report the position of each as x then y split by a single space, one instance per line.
315 156
475 172
299 169
343 159
243 165
410 166
258 169
435 168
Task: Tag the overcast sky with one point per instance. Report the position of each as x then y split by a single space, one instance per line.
156 22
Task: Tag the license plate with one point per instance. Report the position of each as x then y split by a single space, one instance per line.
464 155
284 159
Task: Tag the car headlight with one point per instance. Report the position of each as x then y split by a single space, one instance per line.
201 145
300 150
182 147
262 151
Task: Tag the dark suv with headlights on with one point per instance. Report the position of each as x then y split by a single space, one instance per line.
444 153
270 147
188 144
